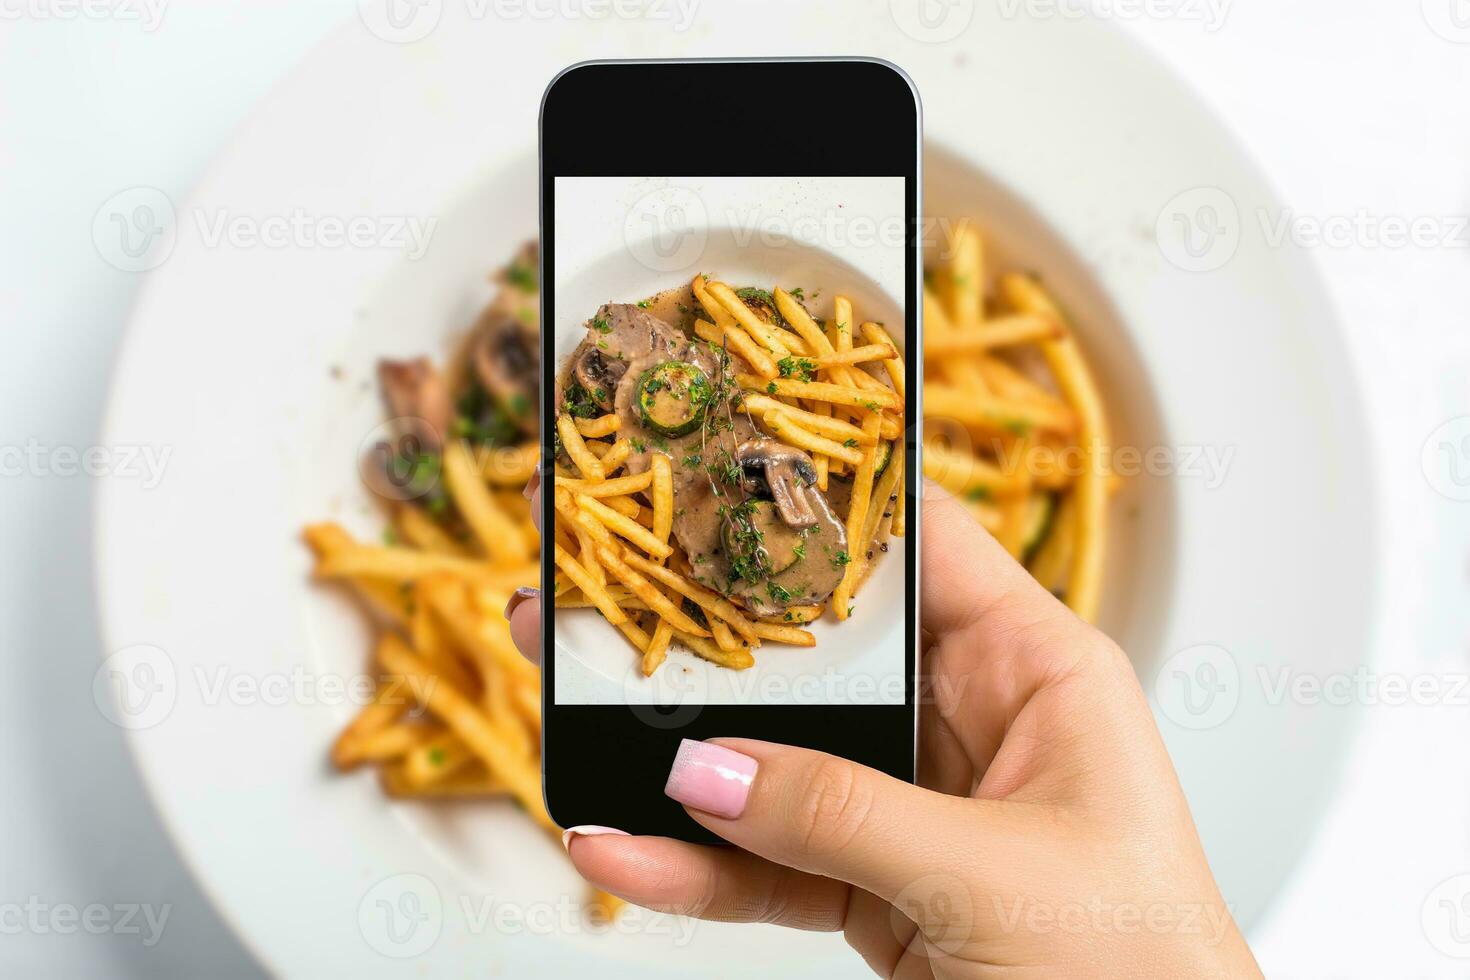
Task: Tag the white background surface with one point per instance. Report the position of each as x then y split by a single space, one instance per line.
1353 106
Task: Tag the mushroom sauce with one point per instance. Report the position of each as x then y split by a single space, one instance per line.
746 508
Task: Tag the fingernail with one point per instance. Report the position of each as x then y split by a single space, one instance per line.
533 483
711 778
589 830
519 596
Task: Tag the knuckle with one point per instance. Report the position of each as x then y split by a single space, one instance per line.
833 807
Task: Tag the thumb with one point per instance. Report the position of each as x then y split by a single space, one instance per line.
826 815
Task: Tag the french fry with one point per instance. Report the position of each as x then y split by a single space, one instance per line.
452 707
435 759
658 647
646 591
853 355
626 506
410 565
734 659
594 592
603 425
974 407
790 635
390 701
616 456
384 598
738 341
1005 331
766 335
839 331
497 533
824 391
663 496
802 322
832 428
567 509
576 447
509 466
724 639
471 782
964 474
625 527
893 366
1015 505
394 741
862 489
616 487
486 639
419 530
785 427
716 310
1074 377
712 603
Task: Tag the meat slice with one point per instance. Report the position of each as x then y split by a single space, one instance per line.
418 400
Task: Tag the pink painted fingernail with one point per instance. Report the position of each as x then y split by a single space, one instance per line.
711 778
519 596
588 830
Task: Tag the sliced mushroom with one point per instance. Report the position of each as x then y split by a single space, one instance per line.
509 366
599 375
418 400
784 474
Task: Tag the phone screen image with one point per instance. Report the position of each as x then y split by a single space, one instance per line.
731 423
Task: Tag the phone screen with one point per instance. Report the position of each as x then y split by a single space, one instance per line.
730 458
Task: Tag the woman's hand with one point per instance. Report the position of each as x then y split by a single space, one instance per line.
1048 834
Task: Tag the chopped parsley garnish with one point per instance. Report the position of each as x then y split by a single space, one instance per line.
771 388
841 559
850 443
601 325
797 367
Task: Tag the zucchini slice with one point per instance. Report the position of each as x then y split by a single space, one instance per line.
673 397
1040 512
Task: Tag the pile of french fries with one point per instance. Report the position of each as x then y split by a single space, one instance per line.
457 710
1014 421
807 386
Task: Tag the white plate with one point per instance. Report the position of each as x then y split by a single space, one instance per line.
1068 142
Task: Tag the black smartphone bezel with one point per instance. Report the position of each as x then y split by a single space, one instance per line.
606 764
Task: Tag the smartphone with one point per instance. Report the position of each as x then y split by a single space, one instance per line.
730 380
